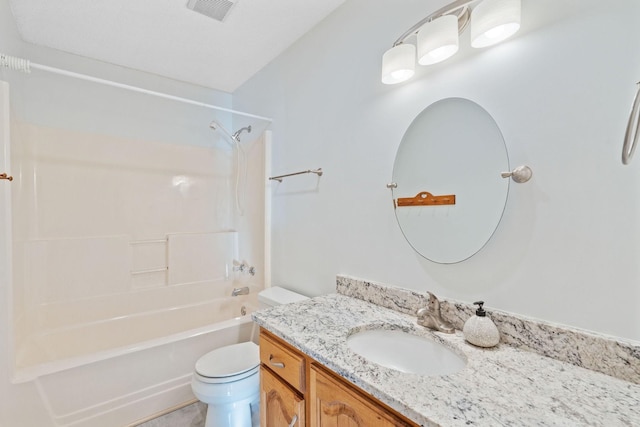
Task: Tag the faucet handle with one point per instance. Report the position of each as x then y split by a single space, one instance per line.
434 302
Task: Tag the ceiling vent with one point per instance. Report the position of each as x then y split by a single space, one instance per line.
216 9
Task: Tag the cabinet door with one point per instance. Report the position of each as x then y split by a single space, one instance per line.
280 405
335 403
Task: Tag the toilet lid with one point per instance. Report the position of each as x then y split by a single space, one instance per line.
229 360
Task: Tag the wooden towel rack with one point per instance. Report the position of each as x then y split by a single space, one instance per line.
426 199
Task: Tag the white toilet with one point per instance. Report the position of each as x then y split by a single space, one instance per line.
228 379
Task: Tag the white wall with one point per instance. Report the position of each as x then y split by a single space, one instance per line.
560 91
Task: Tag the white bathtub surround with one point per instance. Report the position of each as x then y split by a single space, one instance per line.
608 355
117 234
123 241
499 386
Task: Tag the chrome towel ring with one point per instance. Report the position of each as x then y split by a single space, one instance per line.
631 135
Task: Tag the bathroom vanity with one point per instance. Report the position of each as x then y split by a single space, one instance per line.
296 390
310 373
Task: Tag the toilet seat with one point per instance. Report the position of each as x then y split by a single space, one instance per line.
229 363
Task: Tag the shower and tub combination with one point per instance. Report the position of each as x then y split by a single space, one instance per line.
124 248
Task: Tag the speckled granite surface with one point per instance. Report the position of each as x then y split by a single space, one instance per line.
618 358
503 386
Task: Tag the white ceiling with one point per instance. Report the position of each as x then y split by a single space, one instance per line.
165 37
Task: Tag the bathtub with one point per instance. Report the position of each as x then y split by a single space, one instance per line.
115 370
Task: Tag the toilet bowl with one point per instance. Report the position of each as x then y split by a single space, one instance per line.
228 379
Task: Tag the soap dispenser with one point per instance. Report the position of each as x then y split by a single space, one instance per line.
480 330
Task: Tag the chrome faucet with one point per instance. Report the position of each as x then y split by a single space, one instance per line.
430 317
240 291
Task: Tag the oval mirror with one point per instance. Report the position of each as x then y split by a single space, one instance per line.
449 193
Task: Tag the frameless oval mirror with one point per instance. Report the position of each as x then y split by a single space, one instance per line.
449 193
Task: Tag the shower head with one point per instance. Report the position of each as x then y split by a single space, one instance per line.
235 136
237 133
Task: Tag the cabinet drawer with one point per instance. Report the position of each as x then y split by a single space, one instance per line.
283 361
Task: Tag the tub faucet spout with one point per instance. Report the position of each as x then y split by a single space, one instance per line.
240 291
430 317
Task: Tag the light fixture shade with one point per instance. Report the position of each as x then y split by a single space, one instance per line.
438 40
493 21
398 64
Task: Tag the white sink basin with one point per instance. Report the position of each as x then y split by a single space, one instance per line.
405 352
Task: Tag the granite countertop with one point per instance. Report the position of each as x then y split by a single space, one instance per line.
502 386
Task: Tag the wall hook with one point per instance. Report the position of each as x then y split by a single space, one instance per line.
4 176
520 174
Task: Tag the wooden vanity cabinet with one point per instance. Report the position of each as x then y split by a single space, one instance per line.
295 390
282 383
338 403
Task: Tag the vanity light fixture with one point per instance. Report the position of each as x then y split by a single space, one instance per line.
438 40
491 22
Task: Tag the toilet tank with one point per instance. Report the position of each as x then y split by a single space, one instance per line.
276 295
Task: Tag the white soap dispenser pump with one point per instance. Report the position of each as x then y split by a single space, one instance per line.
480 330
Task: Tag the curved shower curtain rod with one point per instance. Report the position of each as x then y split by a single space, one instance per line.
25 66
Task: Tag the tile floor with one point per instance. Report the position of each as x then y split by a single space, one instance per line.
190 416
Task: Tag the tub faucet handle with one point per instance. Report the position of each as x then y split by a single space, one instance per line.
243 267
